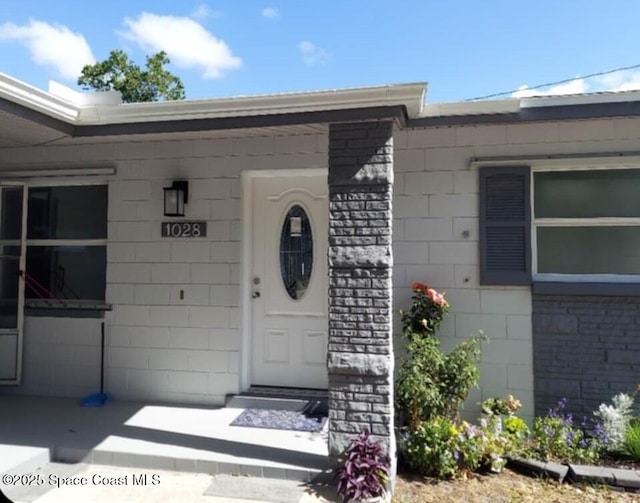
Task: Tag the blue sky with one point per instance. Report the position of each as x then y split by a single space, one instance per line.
463 49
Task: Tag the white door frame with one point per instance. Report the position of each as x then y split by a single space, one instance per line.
21 282
247 179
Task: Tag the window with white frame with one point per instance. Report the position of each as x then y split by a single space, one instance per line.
586 224
66 243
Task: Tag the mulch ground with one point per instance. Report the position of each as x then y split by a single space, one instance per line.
506 487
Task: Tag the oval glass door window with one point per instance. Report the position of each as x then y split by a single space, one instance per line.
296 252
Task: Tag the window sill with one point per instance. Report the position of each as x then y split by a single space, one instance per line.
580 288
64 308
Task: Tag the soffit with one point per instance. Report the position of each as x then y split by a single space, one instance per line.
18 132
302 129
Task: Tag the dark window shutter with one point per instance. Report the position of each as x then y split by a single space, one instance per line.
505 225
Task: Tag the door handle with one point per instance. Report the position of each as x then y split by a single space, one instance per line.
256 295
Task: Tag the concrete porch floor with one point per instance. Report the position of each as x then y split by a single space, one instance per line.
36 430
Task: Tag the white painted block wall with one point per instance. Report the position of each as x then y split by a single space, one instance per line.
436 201
174 332
163 348
61 357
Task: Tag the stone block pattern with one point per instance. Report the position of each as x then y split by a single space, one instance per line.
360 358
585 348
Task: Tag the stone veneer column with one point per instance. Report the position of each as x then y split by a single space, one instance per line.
360 359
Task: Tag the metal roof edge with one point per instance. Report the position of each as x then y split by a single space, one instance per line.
411 96
461 108
598 98
23 94
588 105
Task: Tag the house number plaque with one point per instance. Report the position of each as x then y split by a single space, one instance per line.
184 229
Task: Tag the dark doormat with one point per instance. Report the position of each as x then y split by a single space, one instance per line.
316 408
310 418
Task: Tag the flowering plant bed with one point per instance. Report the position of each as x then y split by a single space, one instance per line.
435 444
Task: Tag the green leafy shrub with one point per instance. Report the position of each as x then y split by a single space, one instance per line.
430 448
432 383
516 432
481 447
430 389
442 449
631 442
556 437
515 426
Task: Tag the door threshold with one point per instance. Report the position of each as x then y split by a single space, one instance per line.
283 398
286 392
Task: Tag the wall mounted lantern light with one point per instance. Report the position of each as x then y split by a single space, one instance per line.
175 197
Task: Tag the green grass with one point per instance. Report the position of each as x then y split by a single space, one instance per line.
631 444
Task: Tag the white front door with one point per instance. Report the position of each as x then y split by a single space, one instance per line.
289 281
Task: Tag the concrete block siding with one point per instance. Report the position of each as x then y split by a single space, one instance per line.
173 334
436 241
61 357
586 349
179 341
435 236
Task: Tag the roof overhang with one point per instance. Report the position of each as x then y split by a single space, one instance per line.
409 96
96 114
63 112
537 108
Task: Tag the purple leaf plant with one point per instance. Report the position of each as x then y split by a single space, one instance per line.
365 471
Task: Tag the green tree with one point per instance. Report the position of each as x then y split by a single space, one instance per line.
119 73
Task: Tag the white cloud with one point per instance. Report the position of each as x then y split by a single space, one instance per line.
51 45
574 87
203 11
187 42
313 55
270 13
620 81
613 82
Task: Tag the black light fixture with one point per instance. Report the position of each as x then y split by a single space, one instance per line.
175 197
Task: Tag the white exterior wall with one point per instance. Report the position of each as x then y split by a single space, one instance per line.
436 201
160 347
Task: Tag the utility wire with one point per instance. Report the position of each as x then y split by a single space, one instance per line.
565 81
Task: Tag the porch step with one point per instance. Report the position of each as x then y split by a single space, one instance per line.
37 430
247 466
311 401
259 402
21 459
287 393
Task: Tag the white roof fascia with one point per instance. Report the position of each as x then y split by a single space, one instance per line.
89 112
28 96
580 99
409 95
514 105
471 108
